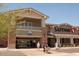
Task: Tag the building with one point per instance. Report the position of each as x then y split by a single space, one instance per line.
64 34
29 28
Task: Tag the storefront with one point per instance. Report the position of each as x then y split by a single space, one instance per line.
51 42
76 41
65 42
27 42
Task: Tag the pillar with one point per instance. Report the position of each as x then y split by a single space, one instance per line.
71 41
44 41
43 23
12 39
12 34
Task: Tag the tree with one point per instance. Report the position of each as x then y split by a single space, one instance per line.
3 26
6 20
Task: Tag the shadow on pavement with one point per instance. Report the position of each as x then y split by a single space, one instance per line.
70 50
11 53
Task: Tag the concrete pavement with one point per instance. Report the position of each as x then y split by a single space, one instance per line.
64 51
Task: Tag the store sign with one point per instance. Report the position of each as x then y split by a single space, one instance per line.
29 32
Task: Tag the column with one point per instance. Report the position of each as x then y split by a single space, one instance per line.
44 37
71 41
43 22
12 34
12 39
44 33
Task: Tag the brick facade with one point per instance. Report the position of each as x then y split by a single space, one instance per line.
44 37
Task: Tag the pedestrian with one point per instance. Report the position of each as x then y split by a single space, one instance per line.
44 48
48 50
38 45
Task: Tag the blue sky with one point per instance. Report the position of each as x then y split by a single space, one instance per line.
58 13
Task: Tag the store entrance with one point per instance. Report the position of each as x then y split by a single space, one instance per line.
51 42
65 42
26 43
76 41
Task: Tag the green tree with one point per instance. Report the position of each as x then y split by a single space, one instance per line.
6 22
3 26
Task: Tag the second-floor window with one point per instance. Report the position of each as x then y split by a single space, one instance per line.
24 25
28 25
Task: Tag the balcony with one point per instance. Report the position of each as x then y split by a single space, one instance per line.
73 33
28 28
29 31
65 32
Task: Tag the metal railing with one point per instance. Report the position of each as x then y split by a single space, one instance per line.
66 32
28 31
74 33
21 33
31 28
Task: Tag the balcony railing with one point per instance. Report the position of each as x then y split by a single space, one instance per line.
28 32
30 28
66 32
74 33
21 32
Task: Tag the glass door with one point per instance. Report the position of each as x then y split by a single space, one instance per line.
20 43
51 42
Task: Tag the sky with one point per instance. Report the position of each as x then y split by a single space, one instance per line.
58 12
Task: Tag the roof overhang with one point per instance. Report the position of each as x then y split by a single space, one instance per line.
67 35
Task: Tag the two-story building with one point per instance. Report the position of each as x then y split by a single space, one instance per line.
28 30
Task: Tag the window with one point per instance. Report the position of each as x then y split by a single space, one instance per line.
28 25
20 24
24 25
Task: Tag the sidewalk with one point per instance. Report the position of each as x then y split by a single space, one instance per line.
64 51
